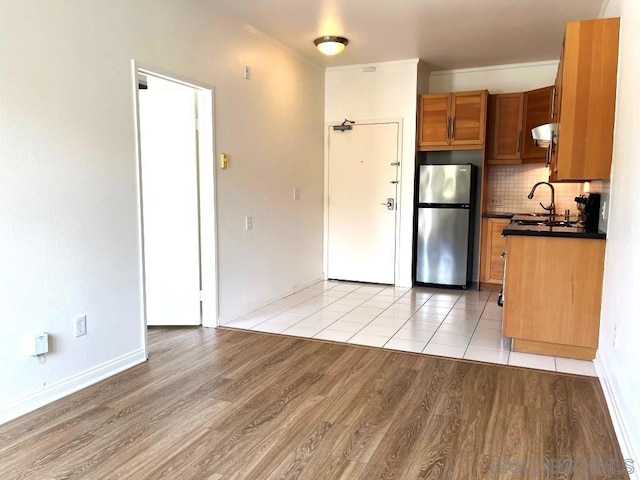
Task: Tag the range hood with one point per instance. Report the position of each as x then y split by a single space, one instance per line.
545 135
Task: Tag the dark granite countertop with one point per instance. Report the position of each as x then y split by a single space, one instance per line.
497 215
511 214
546 231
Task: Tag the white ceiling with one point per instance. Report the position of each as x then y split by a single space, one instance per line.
446 34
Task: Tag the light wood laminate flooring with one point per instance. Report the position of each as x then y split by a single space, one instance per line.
230 404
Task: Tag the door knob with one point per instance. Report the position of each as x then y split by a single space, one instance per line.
390 203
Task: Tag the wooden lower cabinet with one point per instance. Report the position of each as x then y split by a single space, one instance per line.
493 246
552 294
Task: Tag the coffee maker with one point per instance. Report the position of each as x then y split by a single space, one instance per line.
589 208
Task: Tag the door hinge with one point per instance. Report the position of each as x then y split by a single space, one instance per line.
201 295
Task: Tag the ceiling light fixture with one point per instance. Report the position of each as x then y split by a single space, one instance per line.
331 45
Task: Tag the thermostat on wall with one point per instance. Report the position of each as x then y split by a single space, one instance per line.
38 344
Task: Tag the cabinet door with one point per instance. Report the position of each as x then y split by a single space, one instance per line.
434 120
493 247
555 117
536 112
469 112
507 127
553 290
588 97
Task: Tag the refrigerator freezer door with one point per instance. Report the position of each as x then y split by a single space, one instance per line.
445 184
442 247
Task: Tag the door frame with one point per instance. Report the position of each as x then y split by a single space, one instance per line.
325 242
207 204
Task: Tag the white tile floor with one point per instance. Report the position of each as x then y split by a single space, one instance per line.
450 323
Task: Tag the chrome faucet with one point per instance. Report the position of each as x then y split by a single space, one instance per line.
551 208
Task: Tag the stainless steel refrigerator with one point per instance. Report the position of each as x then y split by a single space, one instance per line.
444 226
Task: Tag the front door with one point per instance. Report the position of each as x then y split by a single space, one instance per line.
362 212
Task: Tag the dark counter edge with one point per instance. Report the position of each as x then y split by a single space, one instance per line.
498 215
554 233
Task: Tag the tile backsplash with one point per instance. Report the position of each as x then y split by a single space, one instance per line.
509 185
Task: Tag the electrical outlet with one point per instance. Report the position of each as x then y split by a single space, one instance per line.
248 223
495 201
80 326
296 193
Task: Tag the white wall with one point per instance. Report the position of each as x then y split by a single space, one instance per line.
389 92
68 185
518 77
618 365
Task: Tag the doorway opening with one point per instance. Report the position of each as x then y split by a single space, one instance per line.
174 126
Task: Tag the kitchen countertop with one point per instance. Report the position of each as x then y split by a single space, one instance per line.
497 215
545 231
574 229
512 214
542 230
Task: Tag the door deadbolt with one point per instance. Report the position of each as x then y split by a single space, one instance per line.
390 203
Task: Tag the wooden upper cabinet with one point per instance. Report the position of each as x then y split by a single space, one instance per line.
452 121
537 108
507 127
469 117
434 120
587 77
511 118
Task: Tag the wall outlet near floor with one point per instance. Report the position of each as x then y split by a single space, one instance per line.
80 326
495 201
248 223
296 193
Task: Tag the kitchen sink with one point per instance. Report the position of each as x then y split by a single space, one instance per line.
538 220
547 223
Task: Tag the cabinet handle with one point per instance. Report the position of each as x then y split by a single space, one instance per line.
448 127
453 127
519 140
553 103
548 159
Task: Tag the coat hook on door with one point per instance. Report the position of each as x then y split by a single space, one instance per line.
346 125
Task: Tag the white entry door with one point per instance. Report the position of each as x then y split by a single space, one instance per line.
168 145
362 184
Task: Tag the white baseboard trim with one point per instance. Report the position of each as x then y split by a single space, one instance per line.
250 307
624 439
70 385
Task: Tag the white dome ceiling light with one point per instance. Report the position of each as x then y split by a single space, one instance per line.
331 45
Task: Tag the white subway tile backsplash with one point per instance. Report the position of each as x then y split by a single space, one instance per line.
509 185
